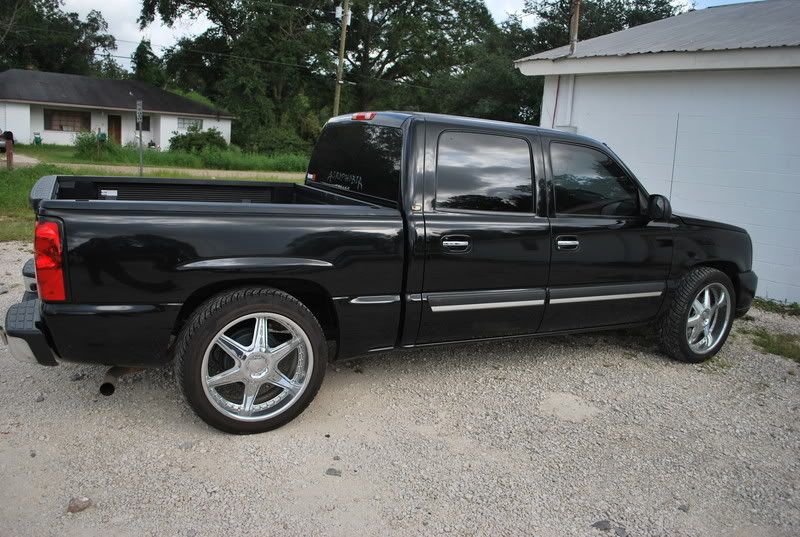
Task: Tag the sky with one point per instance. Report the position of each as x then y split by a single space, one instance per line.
122 21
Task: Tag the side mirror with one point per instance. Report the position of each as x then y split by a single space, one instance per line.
659 208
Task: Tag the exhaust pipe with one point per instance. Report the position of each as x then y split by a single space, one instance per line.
109 384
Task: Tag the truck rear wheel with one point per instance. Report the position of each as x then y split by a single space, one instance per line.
250 360
700 316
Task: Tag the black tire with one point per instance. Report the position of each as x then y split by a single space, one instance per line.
211 317
672 326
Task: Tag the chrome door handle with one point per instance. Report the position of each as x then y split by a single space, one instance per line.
458 244
567 243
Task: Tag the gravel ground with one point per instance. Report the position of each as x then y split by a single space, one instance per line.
595 435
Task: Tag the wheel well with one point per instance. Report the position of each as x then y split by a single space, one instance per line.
730 270
312 295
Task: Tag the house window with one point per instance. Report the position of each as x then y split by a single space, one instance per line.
145 124
185 122
67 120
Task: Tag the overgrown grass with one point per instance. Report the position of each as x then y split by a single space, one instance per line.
16 216
228 159
784 308
782 344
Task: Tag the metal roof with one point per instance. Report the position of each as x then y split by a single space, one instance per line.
754 25
63 89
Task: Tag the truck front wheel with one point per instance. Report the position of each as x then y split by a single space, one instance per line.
250 360
700 316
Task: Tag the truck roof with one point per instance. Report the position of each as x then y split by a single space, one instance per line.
397 118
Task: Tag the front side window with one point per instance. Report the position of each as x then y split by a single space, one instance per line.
483 172
185 122
589 182
67 120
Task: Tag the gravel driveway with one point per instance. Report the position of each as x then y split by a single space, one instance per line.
595 435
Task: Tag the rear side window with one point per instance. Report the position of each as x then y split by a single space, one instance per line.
359 157
589 182
483 172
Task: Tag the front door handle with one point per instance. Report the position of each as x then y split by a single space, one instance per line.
456 243
567 242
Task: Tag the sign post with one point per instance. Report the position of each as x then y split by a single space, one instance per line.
139 117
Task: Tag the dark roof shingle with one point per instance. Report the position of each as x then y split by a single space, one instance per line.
59 88
767 24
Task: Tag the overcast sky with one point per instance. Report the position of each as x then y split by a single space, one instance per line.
122 21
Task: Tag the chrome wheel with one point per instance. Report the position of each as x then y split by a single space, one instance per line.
708 318
257 366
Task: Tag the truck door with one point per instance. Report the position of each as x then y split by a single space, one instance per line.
609 261
487 251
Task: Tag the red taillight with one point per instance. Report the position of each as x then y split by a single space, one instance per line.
364 116
49 268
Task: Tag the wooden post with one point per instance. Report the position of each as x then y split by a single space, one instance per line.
340 68
573 25
10 154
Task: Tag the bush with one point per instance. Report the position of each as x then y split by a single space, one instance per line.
196 140
88 146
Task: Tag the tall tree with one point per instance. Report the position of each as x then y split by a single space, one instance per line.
259 60
147 67
395 42
38 34
491 87
597 17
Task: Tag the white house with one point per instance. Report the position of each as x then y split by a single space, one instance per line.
58 105
705 108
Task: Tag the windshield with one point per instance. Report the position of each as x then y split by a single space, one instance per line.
359 157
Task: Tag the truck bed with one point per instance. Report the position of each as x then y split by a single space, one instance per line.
136 250
86 188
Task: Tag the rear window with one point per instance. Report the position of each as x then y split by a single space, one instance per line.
359 157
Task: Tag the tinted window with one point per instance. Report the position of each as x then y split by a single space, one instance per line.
483 172
359 157
587 181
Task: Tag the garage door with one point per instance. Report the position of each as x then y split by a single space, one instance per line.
721 145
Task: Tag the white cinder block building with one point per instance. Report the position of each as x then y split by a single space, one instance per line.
58 105
705 108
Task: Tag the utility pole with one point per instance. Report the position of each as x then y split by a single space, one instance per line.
573 25
342 38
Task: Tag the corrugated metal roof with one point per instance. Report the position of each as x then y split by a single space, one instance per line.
767 24
59 88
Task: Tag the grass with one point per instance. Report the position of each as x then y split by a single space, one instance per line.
16 216
229 159
784 308
781 344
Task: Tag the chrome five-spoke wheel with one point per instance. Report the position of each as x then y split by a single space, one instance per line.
257 366
708 318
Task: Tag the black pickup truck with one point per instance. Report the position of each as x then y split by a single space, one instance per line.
411 229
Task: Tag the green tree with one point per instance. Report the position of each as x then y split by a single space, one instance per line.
597 17
38 34
491 87
147 67
394 45
259 61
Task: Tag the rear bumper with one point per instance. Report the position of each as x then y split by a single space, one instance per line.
748 282
23 334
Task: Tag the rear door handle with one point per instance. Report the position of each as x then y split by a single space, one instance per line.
567 242
456 243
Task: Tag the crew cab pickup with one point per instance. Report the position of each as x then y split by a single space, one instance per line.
411 229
